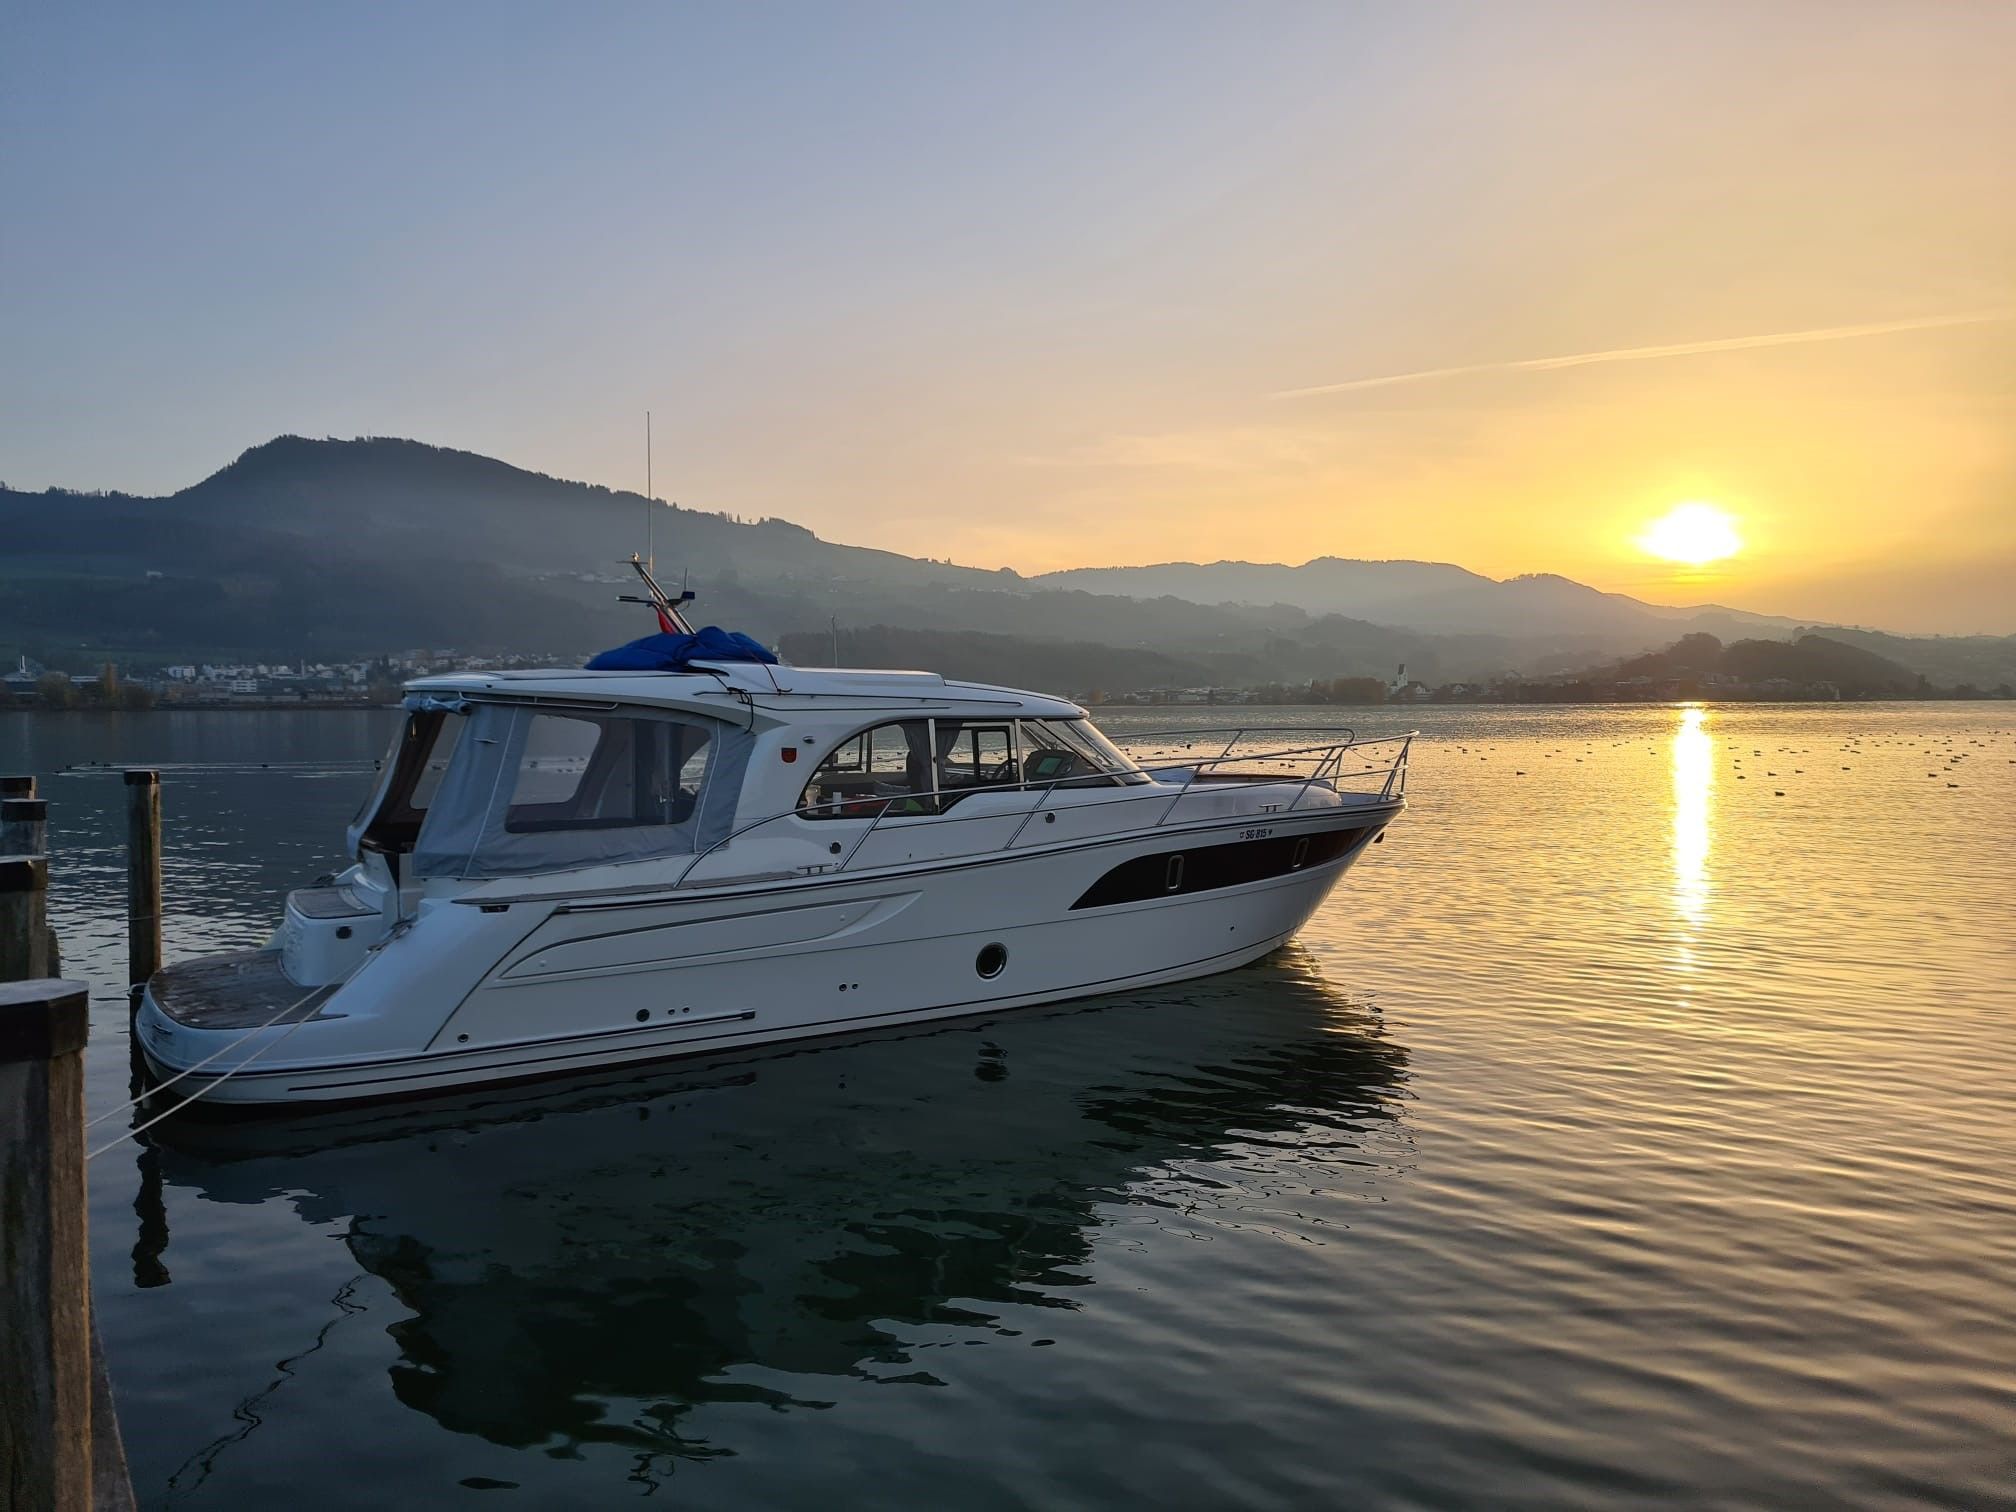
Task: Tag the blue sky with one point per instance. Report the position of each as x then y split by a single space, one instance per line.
1023 285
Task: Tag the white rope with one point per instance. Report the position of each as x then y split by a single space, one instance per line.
194 1096
220 1050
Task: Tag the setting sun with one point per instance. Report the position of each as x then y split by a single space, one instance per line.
1694 534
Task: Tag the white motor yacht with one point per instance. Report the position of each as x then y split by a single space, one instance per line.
577 869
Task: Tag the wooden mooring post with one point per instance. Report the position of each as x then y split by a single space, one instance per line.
24 918
45 1343
59 1433
143 875
24 827
24 831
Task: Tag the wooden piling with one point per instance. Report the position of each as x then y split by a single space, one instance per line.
24 831
143 875
17 787
24 927
45 1301
24 827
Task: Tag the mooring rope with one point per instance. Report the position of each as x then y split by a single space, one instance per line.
135 1102
142 1128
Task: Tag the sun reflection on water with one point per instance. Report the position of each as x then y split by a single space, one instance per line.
1693 786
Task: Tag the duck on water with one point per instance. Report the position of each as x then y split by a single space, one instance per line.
690 847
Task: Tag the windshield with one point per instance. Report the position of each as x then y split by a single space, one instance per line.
1083 753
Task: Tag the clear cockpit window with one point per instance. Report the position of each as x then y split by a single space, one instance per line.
885 769
597 772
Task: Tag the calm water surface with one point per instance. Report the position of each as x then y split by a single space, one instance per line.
1636 1126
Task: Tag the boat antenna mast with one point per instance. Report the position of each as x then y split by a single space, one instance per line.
670 620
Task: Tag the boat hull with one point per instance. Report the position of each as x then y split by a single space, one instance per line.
578 984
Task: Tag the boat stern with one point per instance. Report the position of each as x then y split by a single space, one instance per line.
242 1002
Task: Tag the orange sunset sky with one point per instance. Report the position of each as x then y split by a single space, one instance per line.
1061 285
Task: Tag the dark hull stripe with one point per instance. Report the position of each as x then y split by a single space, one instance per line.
1176 873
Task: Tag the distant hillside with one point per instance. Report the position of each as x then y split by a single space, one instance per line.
1417 595
332 549
1986 662
1810 660
340 547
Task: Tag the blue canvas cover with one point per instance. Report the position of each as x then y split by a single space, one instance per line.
669 653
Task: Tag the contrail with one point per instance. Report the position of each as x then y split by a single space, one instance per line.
1642 354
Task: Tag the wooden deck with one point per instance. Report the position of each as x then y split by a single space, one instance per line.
241 990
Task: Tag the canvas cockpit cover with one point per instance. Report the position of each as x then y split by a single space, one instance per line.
542 787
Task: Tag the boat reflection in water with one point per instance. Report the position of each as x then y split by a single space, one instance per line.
591 1263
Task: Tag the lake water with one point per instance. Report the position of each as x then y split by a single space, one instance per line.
1637 1126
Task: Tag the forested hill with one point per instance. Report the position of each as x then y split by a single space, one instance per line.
369 500
350 547
1698 662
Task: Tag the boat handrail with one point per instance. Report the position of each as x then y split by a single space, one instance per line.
1121 737
1326 765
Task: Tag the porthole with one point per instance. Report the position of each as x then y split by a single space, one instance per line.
992 960
1172 874
1300 857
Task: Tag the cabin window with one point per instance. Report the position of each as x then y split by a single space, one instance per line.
877 771
974 754
603 772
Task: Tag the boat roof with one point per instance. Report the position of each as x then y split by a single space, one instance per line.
772 687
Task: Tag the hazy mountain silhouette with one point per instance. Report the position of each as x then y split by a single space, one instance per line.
348 548
1416 595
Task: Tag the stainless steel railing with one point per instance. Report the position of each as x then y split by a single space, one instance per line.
1325 764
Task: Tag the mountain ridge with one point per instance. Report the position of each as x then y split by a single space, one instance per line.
1405 592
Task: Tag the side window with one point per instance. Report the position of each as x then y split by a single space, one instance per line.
552 763
873 771
578 772
973 754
